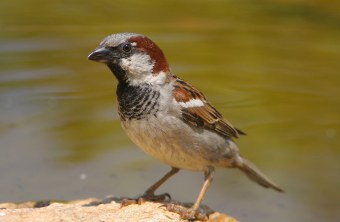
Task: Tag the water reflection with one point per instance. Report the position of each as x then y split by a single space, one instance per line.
270 68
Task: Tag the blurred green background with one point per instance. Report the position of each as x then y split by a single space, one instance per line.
271 67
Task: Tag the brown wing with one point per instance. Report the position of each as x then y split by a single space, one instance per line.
204 114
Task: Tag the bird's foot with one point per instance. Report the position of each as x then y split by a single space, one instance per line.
187 213
146 197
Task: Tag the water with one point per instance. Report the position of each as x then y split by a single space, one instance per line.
272 69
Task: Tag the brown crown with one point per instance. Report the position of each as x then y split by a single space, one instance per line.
144 44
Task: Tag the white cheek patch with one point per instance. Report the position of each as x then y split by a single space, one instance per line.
137 64
139 70
192 103
158 79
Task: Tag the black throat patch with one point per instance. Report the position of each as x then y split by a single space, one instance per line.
137 102
118 72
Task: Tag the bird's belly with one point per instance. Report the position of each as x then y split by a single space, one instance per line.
175 143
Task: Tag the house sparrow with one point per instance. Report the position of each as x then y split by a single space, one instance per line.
168 118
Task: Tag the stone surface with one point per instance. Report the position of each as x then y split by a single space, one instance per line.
93 210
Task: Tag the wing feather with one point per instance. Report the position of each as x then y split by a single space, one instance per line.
201 114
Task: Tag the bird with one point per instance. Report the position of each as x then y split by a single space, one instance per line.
169 118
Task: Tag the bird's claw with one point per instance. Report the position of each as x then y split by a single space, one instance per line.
146 197
186 213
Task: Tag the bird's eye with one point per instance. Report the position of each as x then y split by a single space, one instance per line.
127 47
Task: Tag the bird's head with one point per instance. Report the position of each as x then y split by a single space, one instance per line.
133 58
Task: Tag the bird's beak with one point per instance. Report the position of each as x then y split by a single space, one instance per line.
101 55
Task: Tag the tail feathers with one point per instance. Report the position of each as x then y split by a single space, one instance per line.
256 175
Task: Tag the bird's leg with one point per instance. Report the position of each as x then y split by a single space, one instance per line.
193 212
149 194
